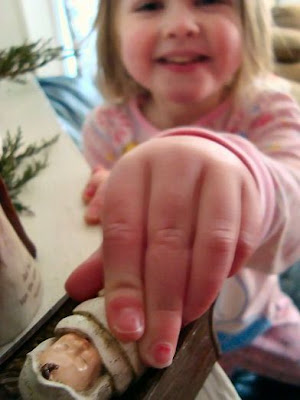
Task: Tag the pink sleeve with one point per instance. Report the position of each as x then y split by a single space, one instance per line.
272 154
98 147
107 133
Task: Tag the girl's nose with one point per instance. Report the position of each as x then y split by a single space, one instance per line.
181 25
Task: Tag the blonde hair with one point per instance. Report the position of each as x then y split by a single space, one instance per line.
257 41
113 80
117 86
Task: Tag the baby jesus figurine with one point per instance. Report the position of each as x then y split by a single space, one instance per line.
82 361
73 360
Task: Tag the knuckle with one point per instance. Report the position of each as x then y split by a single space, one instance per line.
121 233
220 240
124 287
171 238
245 246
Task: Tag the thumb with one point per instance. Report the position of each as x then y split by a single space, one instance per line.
87 279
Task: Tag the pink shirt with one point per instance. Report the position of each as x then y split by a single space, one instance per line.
263 132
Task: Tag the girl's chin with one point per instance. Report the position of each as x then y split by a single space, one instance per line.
193 94
181 98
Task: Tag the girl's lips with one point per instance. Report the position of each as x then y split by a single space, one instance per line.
181 60
183 64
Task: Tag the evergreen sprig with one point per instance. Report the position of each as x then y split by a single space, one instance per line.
18 60
15 168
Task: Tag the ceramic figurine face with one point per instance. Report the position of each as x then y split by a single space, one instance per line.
72 360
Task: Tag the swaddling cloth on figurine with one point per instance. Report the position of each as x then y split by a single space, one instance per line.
120 360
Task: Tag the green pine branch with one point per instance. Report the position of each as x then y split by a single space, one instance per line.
17 167
18 60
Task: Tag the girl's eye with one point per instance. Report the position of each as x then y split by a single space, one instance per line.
209 2
150 6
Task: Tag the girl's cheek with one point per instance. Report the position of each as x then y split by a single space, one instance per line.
229 46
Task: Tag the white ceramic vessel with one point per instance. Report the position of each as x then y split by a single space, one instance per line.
20 283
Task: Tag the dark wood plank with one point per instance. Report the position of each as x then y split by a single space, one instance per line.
196 354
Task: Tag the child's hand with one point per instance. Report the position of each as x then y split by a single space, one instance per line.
93 195
180 215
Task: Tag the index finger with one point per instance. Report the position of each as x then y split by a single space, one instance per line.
123 241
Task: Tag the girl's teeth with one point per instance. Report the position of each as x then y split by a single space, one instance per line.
180 60
184 60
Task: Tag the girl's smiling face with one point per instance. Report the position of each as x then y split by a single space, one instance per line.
181 51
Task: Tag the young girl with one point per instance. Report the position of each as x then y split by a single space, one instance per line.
211 192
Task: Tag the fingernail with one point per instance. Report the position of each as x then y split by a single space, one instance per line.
128 320
89 191
162 354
